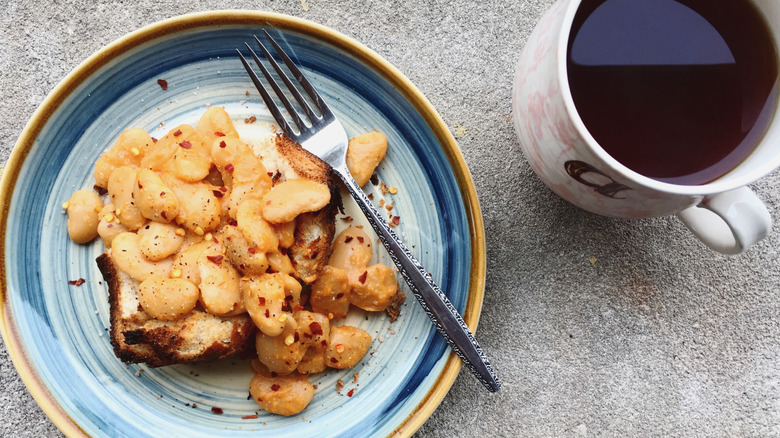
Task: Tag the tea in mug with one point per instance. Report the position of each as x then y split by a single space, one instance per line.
677 90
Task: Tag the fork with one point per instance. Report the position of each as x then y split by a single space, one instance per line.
325 137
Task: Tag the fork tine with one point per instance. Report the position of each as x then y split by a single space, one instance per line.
286 102
321 105
269 102
293 89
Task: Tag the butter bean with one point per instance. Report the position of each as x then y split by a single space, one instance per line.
109 227
351 252
156 200
281 395
364 153
287 200
257 231
330 293
220 292
167 299
83 217
244 256
126 253
159 241
347 345
160 155
120 190
264 297
282 353
374 289
129 149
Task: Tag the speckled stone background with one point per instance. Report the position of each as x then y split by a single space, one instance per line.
596 326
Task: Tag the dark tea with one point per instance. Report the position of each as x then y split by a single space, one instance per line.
677 90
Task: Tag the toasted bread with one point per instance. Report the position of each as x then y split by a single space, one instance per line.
199 335
314 232
137 337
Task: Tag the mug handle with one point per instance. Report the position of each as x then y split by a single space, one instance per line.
728 222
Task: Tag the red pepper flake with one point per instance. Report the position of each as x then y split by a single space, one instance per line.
339 295
267 313
296 337
249 417
100 190
162 83
374 179
162 194
270 174
333 359
351 392
252 119
298 308
154 140
315 328
215 258
288 298
186 144
324 344
348 239
396 220
275 387
217 193
362 278
177 133
140 186
232 222
223 189
251 250
219 134
261 301
229 167
164 215
360 239
222 144
216 410
78 282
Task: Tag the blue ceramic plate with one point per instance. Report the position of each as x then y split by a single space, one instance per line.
56 333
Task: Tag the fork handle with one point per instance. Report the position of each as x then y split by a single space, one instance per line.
438 307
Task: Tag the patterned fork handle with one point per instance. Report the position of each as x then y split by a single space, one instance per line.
440 310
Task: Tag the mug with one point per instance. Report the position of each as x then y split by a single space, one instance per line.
724 214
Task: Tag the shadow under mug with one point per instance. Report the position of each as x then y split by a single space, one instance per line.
724 214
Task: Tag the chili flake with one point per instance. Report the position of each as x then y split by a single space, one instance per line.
275 387
218 193
249 417
315 328
162 83
215 259
362 278
219 134
177 133
229 167
222 144
78 282
216 410
351 392
185 144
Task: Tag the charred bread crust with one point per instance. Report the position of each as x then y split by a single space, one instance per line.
139 338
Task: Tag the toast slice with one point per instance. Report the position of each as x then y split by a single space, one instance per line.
137 337
200 336
314 231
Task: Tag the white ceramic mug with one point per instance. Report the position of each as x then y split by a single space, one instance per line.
724 214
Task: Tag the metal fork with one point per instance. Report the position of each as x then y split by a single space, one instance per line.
325 137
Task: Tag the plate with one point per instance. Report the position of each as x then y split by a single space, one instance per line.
56 333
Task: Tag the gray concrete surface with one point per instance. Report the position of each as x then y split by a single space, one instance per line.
597 326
